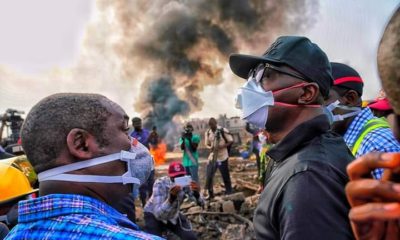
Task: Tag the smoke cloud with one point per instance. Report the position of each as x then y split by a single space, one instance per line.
176 48
165 53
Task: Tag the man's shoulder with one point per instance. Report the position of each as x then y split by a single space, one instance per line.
327 153
75 226
381 139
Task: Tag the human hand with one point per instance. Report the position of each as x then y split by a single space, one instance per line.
260 188
375 212
194 186
173 193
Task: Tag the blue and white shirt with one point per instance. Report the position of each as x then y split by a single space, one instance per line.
71 216
378 140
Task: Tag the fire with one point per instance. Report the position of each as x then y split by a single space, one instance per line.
158 152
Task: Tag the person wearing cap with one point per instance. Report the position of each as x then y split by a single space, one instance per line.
381 107
375 212
87 166
304 194
361 130
162 210
189 143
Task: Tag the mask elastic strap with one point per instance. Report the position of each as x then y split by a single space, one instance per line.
344 116
125 179
333 105
123 155
293 105
287 88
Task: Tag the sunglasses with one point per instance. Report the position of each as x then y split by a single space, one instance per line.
258 72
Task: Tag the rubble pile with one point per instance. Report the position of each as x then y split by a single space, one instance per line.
228 216
225 216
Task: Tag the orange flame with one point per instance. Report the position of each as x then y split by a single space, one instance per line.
158 152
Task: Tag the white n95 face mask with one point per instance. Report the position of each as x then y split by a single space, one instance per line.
138 160
254 102
328 110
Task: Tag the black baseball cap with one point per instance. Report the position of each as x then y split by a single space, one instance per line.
347 77
296 52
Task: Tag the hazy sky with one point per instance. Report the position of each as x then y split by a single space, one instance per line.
44 37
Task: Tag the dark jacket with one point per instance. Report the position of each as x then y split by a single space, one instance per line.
304 194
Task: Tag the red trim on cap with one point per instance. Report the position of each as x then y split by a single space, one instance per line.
347 79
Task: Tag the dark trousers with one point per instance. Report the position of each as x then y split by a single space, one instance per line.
224 170
257 153
156 227
146 189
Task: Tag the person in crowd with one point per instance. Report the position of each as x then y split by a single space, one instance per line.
375 212
381 107
154 138
304 194
16 175
218 140
255 143
142 135
162 211
189 143
362 132
79 145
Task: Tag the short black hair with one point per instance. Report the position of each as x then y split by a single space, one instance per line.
212 120
136 120
45 129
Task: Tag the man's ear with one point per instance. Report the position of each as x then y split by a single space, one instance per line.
310 94
81 144
351 98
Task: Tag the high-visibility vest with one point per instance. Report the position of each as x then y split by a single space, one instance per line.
368 127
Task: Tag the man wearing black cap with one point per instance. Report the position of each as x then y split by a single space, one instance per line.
362 132
304 188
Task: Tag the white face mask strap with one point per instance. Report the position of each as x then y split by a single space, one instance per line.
123 155
125 179
333 105
339 117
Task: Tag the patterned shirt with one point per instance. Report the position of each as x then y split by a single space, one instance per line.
378 140
209 139
160 206
71 216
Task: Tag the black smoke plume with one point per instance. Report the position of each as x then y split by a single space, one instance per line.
179 47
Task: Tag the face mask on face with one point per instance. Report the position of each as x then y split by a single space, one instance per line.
138 160
254 102
328 110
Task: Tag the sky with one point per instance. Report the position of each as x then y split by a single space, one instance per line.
42 40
